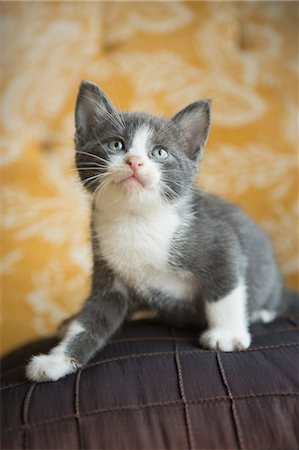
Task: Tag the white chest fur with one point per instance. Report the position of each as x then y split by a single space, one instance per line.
137 248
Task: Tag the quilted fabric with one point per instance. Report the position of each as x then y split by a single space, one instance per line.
152 387
153 56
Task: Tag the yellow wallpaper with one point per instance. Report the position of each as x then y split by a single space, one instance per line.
147 56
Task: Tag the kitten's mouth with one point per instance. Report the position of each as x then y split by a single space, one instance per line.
131 180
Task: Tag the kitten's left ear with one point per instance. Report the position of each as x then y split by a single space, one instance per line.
194 121
93 107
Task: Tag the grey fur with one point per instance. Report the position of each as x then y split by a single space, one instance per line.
218 245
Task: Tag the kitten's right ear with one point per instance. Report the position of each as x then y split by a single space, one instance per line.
194 121
93 107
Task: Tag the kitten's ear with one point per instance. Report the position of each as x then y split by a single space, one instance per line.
194 121
93 107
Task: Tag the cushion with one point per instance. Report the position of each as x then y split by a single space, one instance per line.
153 387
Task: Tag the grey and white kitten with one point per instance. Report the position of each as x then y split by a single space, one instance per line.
157 241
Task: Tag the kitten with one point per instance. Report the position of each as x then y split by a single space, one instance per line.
157 241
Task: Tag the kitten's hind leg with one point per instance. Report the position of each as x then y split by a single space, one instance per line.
227 322
263 316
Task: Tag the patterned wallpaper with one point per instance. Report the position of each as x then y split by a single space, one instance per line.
153 56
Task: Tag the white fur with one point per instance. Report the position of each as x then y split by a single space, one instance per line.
56 364
137 249
119 286
140 142
135 228
227 322
263 315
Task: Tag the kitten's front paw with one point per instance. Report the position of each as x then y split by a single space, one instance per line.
50 367
225 340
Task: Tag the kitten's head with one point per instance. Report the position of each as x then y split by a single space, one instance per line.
137 156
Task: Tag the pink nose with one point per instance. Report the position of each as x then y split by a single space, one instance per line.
134 162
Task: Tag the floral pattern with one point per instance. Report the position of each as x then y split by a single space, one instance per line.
153 56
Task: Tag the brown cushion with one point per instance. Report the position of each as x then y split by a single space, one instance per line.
153 387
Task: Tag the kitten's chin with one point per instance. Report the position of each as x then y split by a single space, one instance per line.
128 196
131 192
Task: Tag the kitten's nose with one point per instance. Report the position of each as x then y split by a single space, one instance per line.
134 162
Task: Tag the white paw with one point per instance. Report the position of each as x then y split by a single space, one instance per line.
263 315
50 367
225 340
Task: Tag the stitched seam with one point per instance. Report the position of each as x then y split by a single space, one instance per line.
266 333
187 352
193 340
77 408
177 338
20 383
164 338
269 347
266 394
203 402
290 316
184 400
26 413
235 415
293 320
151 338
135 407
182 352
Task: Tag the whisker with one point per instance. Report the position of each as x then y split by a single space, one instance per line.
99 168
94 177
91 154
101 188
78 169
165 177
88 168
86 163
172 181
84 182
115 201
172 170
171 191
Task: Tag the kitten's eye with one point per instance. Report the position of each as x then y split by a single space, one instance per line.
159 153
116 145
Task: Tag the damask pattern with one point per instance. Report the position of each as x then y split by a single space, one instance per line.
153 56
